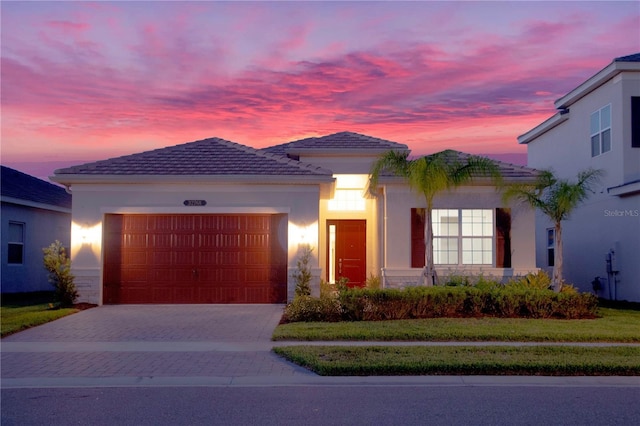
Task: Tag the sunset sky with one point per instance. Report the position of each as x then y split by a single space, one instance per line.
85 81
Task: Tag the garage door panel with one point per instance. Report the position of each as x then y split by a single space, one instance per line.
183 241
182 258
135 257
133 223
160 224
135 274
160 241
160 276
257 258
194 259
134 240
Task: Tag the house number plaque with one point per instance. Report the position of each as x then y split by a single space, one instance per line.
195 203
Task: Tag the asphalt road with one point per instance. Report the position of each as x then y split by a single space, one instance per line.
310 405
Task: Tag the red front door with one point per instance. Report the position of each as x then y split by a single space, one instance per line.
347 251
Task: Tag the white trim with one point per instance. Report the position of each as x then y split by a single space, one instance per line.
626 189
596 81
544 127
69 179
34 204
195 210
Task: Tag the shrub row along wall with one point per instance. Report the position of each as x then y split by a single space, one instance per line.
436 302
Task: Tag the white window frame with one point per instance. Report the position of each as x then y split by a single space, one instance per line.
600 131
471 242
14 242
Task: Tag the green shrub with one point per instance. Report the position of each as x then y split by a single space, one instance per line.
308 309
327 290
540 280
373 282
362 304
58 265
457 281
302 275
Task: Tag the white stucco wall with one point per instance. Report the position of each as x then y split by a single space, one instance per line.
92 201
595 227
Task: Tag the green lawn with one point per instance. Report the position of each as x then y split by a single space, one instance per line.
20 313
465 360
614 325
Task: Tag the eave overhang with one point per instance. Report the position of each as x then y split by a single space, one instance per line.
596 81
34 204
544 127
70 179
625 190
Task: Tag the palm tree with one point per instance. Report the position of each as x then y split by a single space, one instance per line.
556 198
430 175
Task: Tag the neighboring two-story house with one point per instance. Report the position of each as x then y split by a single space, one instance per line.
34 214
597 125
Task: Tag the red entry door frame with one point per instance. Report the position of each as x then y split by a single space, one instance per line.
349 254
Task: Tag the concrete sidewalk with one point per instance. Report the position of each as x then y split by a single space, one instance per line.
196 345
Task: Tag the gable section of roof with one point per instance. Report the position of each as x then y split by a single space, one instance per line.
508 171
629 63
21 186
207 157
337 143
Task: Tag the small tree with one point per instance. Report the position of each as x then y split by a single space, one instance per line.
58 265
302 275
556 198
429 176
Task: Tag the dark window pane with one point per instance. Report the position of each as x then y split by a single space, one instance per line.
635 121
595 145
606 140
16 234
550 257
15 254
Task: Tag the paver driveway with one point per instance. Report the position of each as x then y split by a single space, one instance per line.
133 341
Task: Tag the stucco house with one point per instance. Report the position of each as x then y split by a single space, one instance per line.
597 125
34 214
214 221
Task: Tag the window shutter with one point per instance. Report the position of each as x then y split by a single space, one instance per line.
417 238
635 121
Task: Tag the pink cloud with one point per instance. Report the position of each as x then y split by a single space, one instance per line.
171 81
67 26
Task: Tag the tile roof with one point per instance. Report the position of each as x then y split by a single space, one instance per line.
338 141
18 185
507 170
629 58
207 157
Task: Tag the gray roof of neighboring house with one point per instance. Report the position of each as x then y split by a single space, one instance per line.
21 186
208 157
343 141
629 58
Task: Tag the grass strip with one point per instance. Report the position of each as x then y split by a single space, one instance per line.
613 325
16 318
465 360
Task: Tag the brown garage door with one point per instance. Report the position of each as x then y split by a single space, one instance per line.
195 259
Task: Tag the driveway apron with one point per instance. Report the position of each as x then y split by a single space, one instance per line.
133 343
